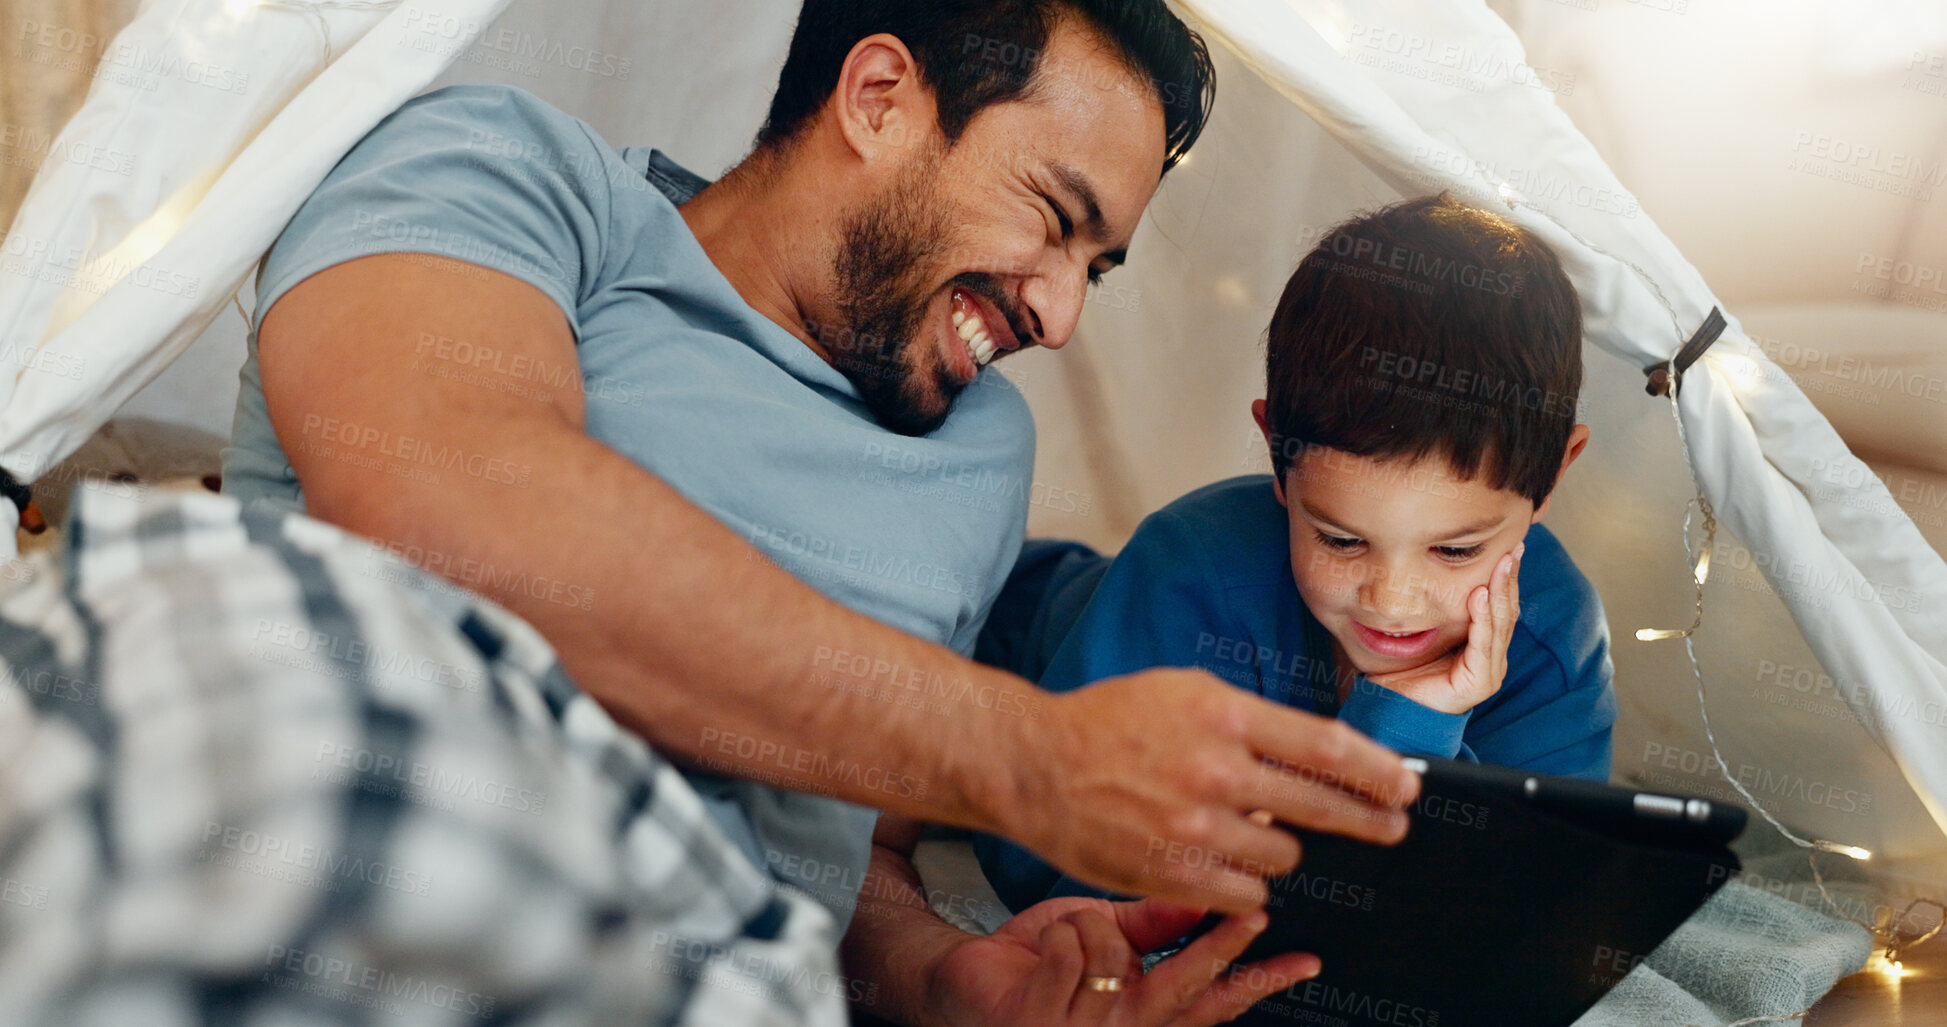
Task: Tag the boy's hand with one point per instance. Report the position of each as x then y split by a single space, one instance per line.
1460 681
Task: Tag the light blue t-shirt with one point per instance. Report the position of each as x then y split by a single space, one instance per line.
683 377
1206 582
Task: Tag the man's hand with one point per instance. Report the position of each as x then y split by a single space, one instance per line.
1458 682
1032 970
1142 785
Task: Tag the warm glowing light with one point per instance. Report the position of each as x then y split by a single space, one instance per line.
1836 848
1740 367
1889 968
1232 289
1658 634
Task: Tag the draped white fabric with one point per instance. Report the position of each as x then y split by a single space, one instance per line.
1346 104
213 120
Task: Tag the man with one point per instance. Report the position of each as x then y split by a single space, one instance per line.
725 516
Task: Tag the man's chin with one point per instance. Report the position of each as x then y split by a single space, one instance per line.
900 411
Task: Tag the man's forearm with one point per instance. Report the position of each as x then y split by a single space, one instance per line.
896 940
695 640
677 626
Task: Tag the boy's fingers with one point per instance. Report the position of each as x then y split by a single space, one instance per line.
1481 633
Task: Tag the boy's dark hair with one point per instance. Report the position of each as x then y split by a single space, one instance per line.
973 53
1429 327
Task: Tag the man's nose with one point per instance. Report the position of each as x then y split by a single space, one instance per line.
1054 304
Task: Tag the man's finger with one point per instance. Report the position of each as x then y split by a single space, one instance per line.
1317 803
1227 999
1059 973
1332 751
1105 956
1177 983
1150 924
1222 890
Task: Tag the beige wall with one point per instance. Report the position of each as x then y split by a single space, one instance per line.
40 86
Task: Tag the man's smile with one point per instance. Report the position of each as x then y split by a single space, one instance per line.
984 332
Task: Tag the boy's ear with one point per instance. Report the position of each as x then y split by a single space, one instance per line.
1578 438
1264 427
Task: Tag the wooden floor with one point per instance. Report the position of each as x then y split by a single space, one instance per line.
1874 998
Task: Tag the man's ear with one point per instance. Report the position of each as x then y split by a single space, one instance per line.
1264 427
1578 438
882 107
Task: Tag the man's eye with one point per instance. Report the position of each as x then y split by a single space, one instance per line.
1460 553
1061 217
1095 276
1339 542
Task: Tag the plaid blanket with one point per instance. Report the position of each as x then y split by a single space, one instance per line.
255 770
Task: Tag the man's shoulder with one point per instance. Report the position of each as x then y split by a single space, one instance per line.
505 132
489 115
1237 527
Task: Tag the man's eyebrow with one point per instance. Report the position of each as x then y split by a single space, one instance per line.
1078 184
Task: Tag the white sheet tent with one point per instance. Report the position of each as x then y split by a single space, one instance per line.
117 274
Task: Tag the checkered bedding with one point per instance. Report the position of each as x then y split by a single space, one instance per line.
254 770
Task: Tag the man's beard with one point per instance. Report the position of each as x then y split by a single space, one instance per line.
887 257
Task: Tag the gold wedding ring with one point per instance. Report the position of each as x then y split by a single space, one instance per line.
1102 983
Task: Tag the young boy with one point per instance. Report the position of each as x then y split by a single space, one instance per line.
1423 368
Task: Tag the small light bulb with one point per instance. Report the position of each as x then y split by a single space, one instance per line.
1836 848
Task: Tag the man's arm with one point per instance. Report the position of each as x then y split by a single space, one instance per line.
708 650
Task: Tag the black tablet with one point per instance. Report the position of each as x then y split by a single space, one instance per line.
1516 900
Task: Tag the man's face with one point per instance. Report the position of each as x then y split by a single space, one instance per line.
1385 552
988 246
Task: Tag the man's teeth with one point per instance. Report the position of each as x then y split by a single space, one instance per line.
980 345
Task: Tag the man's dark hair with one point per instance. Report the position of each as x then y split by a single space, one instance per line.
973 53
1429 327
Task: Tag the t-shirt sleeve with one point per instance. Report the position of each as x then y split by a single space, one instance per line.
1158 605
489 175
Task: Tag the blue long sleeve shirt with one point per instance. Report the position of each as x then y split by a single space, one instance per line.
1206 582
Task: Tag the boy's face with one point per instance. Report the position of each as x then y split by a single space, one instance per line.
1386 552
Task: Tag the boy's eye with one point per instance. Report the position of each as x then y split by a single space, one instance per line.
1460 553
1339 542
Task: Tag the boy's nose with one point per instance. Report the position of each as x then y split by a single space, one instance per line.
1390 595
